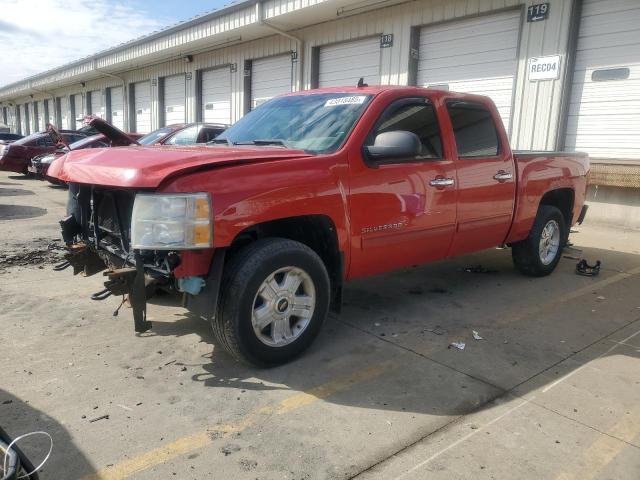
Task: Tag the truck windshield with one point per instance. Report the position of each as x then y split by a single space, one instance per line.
316 123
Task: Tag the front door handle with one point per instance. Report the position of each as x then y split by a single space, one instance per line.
441 182
503 176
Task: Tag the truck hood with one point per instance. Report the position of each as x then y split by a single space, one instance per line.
147 167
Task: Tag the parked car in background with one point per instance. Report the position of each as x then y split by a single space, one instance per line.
16 156
260 230
9 137
183 134
106 136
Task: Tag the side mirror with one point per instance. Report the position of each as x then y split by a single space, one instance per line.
396 144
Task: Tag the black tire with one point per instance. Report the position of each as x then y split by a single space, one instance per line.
525 254
242 278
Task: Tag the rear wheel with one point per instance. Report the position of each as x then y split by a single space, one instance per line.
274 299
539 254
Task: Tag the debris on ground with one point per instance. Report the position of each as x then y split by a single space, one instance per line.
583 268
39 251
479 269
600 298
416 291
229 449
476 335
438 290
438 330
458 345
570 257
102 417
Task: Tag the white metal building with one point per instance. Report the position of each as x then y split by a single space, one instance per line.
563 73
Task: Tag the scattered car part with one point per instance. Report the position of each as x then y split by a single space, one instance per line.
583 268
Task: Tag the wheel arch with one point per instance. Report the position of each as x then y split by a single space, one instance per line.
563 199
316 231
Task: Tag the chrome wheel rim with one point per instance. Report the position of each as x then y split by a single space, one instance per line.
549 242
283 307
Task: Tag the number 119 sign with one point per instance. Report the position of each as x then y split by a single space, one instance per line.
536 13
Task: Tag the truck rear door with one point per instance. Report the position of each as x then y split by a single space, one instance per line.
485 177
402 211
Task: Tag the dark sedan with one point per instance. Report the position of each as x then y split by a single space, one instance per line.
16 156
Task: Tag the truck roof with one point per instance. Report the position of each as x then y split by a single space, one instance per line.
379 89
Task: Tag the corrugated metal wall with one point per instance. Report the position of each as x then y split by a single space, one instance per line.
537 105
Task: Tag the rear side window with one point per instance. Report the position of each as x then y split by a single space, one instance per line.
188 136
415 116
209 134
474 129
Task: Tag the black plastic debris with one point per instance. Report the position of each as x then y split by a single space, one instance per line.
479 269
583 268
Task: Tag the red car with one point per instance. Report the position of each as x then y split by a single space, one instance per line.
16 156
260 231
109 136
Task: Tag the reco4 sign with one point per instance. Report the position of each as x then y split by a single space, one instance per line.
544 68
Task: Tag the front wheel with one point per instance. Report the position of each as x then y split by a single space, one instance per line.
274 299
539 254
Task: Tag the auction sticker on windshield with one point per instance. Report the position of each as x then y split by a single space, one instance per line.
353 100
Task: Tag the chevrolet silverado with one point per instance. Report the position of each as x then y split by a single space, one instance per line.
260 229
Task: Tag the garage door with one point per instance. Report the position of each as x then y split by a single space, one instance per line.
42 120
216 96
478 55
26 119
64 112
95 102
77 110
117 107
174 100
142 105
604 111
343 64
270 77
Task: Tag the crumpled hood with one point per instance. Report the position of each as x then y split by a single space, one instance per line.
147 167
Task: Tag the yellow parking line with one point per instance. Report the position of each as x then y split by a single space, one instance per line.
198 440
587 289
604 449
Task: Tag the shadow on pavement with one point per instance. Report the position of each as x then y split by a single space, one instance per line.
408 319
14 192
18 418
16 212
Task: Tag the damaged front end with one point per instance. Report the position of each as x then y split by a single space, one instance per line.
139 240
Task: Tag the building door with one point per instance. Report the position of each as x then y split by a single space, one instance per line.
116 107
604 110
142 106
78 115
477 55
95 103
174 100
270 77
343 64
216 95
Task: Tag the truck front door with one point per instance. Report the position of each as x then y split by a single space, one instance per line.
486 178
402 210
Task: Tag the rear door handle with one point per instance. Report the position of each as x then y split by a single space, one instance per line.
441 182
503 176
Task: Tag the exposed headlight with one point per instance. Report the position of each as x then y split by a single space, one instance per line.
171 221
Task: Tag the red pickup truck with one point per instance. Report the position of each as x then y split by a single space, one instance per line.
260 229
